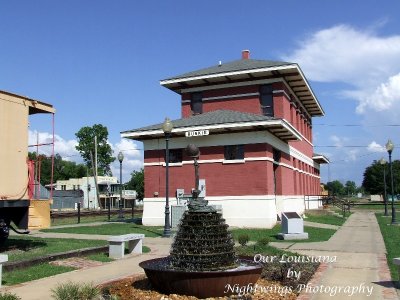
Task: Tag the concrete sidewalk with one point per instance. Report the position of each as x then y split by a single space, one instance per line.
360 262
41 289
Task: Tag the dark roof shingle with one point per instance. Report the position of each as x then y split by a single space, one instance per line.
210 118
237 65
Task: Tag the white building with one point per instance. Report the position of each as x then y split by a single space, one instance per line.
109 190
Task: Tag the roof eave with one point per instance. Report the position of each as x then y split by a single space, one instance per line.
321 159
176 83
280 128
167 82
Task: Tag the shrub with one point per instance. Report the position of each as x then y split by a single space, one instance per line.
76 291
264 241
9 296
243 239
89 292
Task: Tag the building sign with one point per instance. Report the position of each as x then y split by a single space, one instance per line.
129 194
197 133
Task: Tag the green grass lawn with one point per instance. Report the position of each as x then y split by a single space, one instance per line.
379 207
33 273
324 218
25 247
36 247
391 236
255 234
112 229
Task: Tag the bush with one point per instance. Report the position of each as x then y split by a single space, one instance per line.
9 296
76 291
277 271
264 241
243 239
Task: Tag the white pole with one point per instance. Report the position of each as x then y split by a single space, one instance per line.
95 155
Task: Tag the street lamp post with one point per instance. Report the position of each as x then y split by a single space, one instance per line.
120 212
167 128
383 162
389 148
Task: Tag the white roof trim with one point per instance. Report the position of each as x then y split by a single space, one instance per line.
157 132
217 86
311 91
189 78
321 157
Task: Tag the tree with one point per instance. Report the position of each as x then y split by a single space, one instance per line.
63 170
137 183
373 178
335 188
86 146
350 187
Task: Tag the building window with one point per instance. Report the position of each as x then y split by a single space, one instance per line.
266 100
63 187
276 155
233 152
196 103
175 156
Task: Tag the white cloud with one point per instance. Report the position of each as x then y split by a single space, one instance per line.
338 142
375 147
352 155
367 62
133 159
345 54
61 146
385 97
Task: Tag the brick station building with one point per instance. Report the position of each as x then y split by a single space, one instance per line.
252 120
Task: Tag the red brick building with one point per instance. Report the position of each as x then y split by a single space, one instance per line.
252 120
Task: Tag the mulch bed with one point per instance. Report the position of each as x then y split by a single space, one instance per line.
139 288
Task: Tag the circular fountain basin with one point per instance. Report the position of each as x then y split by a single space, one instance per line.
202 284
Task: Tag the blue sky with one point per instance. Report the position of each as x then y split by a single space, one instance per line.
101 62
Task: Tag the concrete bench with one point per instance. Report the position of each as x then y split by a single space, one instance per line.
117 244
396 261
3 259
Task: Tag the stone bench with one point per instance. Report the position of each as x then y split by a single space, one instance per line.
3 259
396 261
117 244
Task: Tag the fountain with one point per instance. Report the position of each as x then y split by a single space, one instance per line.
202 261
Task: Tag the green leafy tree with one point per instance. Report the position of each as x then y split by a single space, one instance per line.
63 169
373 178
350 187
86 146
137 183
335 188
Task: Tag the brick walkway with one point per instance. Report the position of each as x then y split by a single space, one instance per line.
77 262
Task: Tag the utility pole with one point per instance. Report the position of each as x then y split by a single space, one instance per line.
95 180
95 154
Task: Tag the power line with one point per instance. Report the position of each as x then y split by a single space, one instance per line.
357 125
351 146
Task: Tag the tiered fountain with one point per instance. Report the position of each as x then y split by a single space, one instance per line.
202 260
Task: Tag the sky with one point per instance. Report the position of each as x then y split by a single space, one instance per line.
100 62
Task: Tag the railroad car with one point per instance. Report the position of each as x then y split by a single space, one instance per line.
20 202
